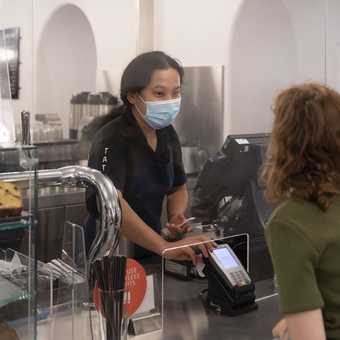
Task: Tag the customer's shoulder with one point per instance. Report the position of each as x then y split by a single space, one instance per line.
292 210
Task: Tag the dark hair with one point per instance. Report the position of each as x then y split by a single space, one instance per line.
303 159
137 74
135 78
89 131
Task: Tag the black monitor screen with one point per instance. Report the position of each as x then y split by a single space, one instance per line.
229 171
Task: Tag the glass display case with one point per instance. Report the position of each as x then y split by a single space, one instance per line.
18 229
18 199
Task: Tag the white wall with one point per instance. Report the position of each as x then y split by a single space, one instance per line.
114 25
262 59
333 44
197 32
146 25
263 44
308 21
66 60
115 30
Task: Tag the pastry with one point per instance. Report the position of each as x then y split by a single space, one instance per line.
10 199
7 332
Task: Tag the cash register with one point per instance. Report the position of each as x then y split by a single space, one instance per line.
229 193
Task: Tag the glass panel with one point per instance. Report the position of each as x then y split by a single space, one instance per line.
73 249
68 314
18 225
148 316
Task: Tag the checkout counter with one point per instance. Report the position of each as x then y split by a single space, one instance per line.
185 314
188 314
186 317
233 204
227 196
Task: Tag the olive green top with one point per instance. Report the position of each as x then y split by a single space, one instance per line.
304 243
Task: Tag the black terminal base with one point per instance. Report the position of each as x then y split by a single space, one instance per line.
231 301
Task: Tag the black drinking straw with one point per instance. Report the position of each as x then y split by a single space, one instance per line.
109 272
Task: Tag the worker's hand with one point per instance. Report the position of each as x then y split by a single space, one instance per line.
178 226
186 249
280 330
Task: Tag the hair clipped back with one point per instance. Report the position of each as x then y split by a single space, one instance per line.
303 158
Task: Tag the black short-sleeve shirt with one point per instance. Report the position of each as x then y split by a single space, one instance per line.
144 177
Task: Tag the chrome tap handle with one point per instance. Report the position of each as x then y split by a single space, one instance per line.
107 238
26 127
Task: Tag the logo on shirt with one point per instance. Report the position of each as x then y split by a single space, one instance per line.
105 158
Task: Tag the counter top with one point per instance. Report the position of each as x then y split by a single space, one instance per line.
185 317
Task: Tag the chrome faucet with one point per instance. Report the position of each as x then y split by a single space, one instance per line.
107 239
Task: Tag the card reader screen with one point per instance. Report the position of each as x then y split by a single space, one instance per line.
225 258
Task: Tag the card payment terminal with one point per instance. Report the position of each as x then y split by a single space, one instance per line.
229 286
229 266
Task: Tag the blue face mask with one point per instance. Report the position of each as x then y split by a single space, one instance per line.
160 114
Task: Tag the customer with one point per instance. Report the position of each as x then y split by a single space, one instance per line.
303 233
140 151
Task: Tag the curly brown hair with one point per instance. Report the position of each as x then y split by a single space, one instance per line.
303 158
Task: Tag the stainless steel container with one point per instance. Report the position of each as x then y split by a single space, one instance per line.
86 106
107 102
75 114
193 159
79 110
200 122
94 101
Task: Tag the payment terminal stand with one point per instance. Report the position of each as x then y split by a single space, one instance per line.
230 289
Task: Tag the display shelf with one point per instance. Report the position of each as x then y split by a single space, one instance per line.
13 225
18 233
15 222
69 295
18 274
9 292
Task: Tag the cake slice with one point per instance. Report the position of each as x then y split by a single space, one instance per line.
10 199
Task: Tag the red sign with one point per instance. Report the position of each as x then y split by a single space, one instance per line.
96 298
135 286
